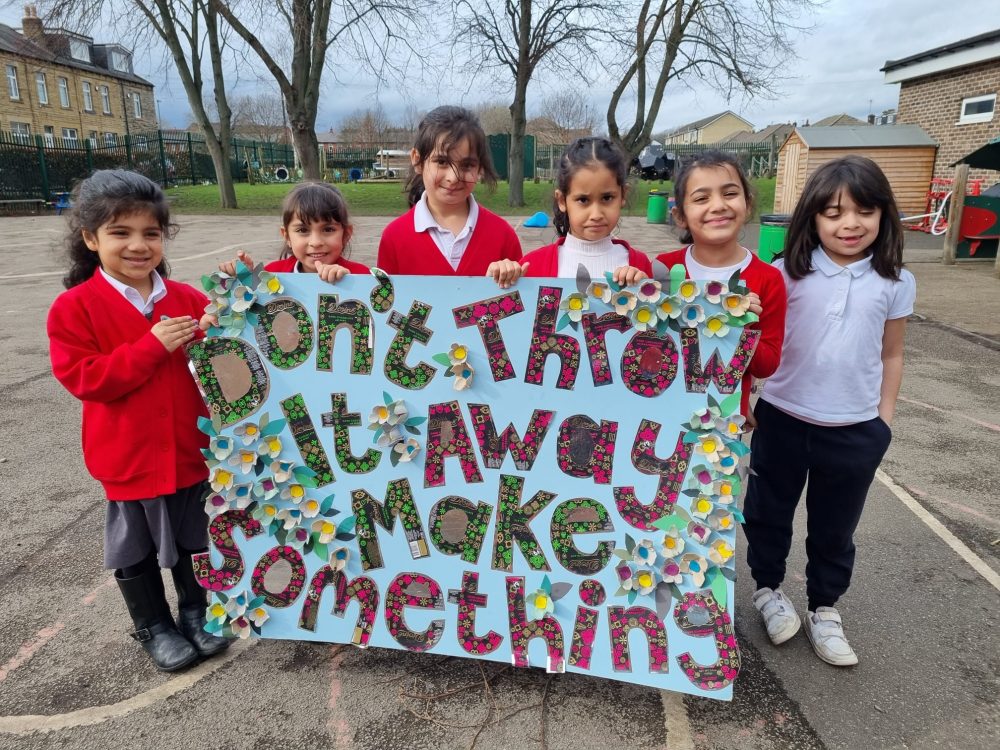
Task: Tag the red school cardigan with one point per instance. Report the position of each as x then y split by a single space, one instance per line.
140 402
545 260
403 250
287 265
768 283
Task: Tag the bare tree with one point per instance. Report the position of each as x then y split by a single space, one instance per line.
364 125
260 117
518 36
732 45
570 113
494 117
187 27
369 29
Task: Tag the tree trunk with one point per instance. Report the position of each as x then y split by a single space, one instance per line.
222 164
223 169
515 166
306 148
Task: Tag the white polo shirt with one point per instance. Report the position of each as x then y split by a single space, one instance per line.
452 246
145 306
831 361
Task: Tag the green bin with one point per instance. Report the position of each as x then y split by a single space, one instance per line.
773 228
656 207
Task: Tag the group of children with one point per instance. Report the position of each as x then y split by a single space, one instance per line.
832 314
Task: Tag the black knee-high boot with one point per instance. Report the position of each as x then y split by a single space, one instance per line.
192 600
154 627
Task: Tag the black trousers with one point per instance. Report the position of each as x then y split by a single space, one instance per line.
840 464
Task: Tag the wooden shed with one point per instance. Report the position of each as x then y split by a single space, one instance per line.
904 152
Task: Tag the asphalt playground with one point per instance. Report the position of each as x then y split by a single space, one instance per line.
922 614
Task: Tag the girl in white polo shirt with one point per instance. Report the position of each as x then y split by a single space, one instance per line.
825 414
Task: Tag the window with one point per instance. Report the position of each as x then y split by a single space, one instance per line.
92 138
137 105
119 60
106 100
88 97
12 88
43 89
21 131
50 136
79 50
70 138
977 109
63 92
110 139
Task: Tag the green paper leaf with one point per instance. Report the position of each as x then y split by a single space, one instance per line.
208 455
629 543
734 280
559 590
677 275
303 471
690 437
272 428
680 512
691 493
347 524
321 551
632 596
442 359
377 434
222 597
719 589
252 318
217 421
387 398
344 537
738 515
730 404
673 521
661 273
205 425
563 321
258 467
676 592
712 402
620 592
326 504
610 278
738 447
663 599
207 284
547 585
411 430
415 421
448 373
213 626
582 278
729 574
394 458
256 602
281 535
622 554
750 318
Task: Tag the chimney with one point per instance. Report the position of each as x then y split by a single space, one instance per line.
31 25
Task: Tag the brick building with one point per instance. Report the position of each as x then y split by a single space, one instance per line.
62 86
707 130
951 92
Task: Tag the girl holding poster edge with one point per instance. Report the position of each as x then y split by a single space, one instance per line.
713 202
825 414
116 340
446 232
592 188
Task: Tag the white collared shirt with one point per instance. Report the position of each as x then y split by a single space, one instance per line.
133 296
710 273
831 361
452 246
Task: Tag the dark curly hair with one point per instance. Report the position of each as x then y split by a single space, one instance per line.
578 154
98 200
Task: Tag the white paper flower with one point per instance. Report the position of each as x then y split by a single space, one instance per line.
289 517
293 493
732 426
217 306
243 462
714 291
265 489
236 605
241 627
704 419
407 450
669 307
600 290
691 316
648 290
716 325
725 490
221 479
463 376
721 552
643 317
727 463
701 506
623 302
390 437
215 504
736 304
247 432
721 520
339 558
672 572
673 543
268 283
326 529
243 298
574 305
258 616
297 538
221 446
458 353
695 566
281 471
709 446
688 290
699 532
242 495
270 446
310 508
644 581
644 553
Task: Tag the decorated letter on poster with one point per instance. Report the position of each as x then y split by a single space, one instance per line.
545 475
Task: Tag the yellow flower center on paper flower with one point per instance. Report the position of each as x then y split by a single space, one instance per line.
273 285
598 290
725 522
460 352
274 445
643 315
709 446
733 428
296 491
669 542
218 610
258 613
645 580
725 489
714 324
666 306
704 506
541 601
575 303
687 289
383 413
724 550
223 476
312 505
732 302
251 429
248 458
327 528
270 510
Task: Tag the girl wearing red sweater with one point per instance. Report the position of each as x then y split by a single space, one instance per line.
316 229
116 340
592 184
445 232
713 201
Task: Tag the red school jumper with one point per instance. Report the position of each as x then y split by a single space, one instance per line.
545 260
140 403
769 284
402 250
287 265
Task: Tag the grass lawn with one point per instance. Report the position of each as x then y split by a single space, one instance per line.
387 199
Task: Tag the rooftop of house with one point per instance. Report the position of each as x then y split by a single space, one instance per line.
840 120
704 121
972 50
979 40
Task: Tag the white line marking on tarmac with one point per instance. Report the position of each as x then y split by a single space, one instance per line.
226 248
981 423
28 724
676 718
974 560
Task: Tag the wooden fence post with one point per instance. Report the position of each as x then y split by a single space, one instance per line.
951 236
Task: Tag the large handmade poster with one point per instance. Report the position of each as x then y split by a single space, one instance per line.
546 475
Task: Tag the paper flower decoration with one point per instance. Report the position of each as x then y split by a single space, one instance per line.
644 582
574 305
289 517
699 532
297 537
701 479
725 490
243 298
721 520
669 307
709 447
736 304
687 291
644 553
457 354
339 558
216 504
293 493
242 495
673 543
265 513
258 615
695 566
244 461
731 427
325 530
714 291
310 508
701 506
648 290
600 290
539 603
268 283
217 306
643 317
265 489
463 376
215 613
219 283
672 572
727 463
236 606
270 446
717 325
623 302
721 552
240 627
221 480
691 316
389 437
281 471
247 432
704 419
221 447
407 450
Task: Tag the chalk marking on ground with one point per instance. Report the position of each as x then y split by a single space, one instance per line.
987 425
29 648
28 723
172 261
675 717
974 560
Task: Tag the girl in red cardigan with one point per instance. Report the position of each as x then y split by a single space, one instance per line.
316 229
713 201
592 185
116 340
445 232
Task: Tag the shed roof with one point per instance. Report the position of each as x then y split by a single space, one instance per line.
864 136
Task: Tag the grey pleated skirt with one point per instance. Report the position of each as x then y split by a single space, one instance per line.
134 528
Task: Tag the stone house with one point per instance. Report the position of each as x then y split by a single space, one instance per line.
61 86
951 92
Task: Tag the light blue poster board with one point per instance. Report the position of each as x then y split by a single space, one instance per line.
545 475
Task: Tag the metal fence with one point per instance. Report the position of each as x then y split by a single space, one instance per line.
40 168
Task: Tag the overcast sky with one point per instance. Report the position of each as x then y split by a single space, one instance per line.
837 70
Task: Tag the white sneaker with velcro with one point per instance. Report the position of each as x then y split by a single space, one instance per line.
780 618
825 631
